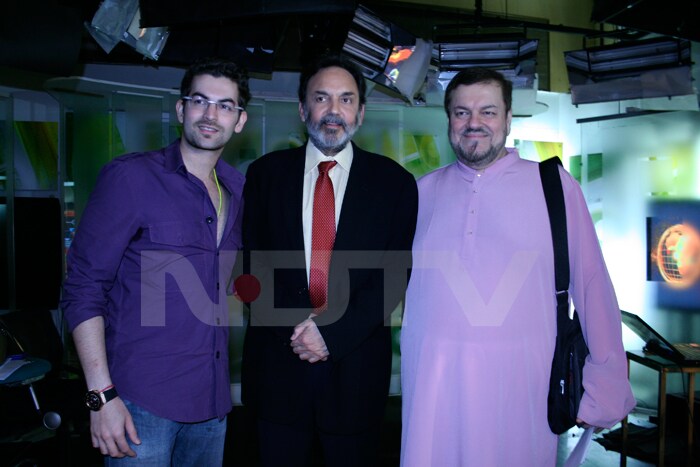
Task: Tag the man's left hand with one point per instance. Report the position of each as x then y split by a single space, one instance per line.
308 343
583 424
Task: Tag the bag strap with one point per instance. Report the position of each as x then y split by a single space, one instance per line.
554 196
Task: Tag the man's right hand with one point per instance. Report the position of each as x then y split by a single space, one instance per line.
109 427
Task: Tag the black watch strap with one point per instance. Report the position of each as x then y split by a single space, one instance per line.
109 394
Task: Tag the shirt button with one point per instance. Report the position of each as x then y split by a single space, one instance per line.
217 354
209 220
218 321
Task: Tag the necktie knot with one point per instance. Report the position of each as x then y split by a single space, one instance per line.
324 167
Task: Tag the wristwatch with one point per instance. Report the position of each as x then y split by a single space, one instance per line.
94 399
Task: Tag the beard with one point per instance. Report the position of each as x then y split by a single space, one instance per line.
329 141
470 156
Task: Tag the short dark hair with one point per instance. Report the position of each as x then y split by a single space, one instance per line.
217 67
327 61
478 75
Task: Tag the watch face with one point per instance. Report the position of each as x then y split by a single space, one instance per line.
93 401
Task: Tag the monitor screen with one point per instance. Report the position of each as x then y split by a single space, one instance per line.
673 252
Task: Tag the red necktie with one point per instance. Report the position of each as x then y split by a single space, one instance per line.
322 237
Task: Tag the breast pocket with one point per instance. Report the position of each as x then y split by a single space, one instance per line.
176 233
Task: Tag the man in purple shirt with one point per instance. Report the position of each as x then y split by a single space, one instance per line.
147 273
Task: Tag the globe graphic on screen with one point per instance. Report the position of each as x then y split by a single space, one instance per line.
678 255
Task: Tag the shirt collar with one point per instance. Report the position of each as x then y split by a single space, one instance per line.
505 161
314 157
228 175
173 157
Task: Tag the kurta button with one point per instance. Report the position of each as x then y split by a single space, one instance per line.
209 220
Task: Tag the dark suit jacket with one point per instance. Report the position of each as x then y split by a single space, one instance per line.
368 275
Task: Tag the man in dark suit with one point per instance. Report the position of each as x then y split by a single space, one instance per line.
317 352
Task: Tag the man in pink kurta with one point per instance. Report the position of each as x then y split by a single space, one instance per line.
479 325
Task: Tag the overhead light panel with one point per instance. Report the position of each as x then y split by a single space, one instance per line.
388 55
119 21
657 67
515 58
486 53
369 42
623 59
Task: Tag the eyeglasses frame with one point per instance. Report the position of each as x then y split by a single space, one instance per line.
211 102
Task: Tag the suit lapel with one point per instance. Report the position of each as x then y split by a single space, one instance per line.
356 198
292 195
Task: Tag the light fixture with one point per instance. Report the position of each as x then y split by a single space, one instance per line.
484 52
118 21
407 69
369 42
658 67
388 55
513 57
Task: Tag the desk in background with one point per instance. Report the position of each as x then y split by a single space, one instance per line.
663 367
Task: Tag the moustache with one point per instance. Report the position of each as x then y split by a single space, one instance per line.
333 120
208 122
478 131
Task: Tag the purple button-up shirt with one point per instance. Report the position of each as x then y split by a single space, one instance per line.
145 258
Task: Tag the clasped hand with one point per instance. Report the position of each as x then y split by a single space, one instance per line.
307 342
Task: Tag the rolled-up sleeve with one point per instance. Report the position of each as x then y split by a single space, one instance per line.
103 234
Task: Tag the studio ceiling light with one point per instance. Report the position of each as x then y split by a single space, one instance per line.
503 54
657 67
369 42
513 57
623 59
118 21
388 55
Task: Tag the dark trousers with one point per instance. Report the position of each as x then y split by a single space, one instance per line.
291 445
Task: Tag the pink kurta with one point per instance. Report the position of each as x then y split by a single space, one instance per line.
479 325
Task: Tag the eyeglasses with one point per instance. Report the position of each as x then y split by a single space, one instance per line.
202 104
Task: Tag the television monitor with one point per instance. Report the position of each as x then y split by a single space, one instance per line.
673 252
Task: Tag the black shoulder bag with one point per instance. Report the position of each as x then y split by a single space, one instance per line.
566 380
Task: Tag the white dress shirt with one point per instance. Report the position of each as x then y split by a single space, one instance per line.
338 175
